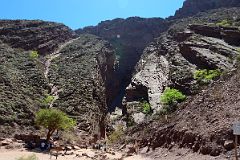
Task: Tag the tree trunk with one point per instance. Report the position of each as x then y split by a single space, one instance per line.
102 126
49 134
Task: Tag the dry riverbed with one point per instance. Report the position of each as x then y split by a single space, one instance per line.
89 154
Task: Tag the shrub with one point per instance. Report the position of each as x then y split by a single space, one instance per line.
224 23
238 58
116 135
34 54
172 96
205 76
53 119
47 99
146 108
31 157
238 50
164 111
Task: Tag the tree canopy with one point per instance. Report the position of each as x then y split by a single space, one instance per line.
53 119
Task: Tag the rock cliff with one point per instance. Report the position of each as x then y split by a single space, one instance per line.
203 122
129 37
83 72
187 46
192 7
37 35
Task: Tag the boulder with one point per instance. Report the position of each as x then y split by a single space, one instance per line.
6 142
130 150
229 145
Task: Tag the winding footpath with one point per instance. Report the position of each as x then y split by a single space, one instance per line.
49 58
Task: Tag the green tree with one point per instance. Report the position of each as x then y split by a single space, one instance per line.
53 119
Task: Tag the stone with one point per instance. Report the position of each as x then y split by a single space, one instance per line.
6 142
68 148
130 150
138 117
69 153
76 147
229 145
144 150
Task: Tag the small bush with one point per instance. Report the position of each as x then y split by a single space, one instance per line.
165 111
172 96
69 137
31 157
238 58
224 23
205 76
116 135
146 108
47 99
34 54
238 50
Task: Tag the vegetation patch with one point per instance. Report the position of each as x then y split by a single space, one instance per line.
205 76
146 107
238 58
172 96
34 54
224 23
31 157
116 135
47 99
238 50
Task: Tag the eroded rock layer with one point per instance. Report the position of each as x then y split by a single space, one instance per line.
37 35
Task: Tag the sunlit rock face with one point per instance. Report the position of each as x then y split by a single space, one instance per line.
37 35
192 7
190 44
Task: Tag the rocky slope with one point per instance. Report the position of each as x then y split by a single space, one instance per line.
192 7
22 86
172 59
86 81
202 123
83 73
129 37
74 71
41 36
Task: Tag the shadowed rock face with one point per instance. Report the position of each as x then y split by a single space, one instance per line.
41 36
129 37
192 7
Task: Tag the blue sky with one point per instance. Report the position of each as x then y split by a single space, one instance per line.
80 13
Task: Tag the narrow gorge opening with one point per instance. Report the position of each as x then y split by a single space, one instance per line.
127 60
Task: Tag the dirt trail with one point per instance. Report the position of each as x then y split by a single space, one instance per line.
15 154
55 54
